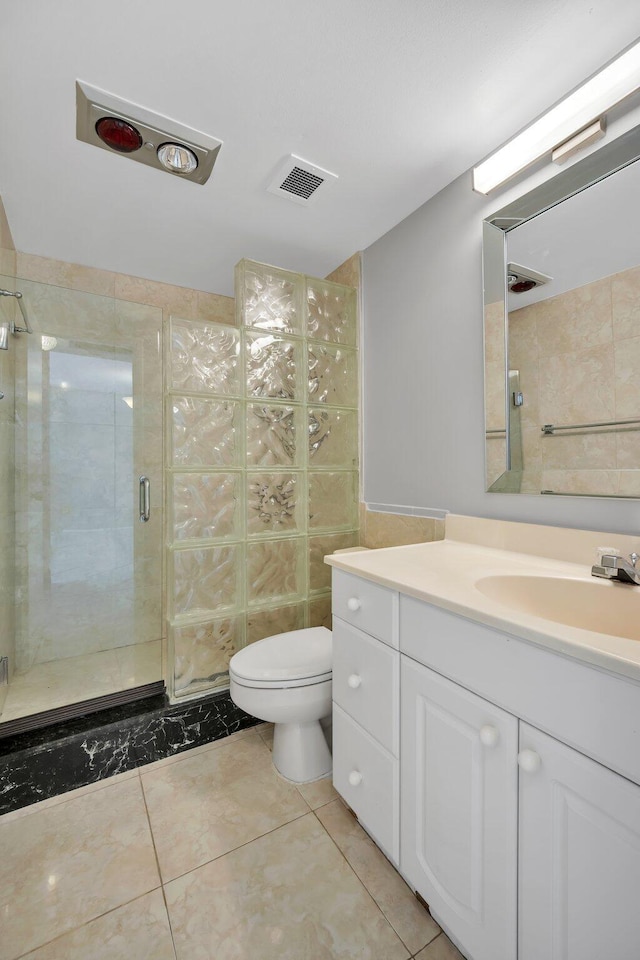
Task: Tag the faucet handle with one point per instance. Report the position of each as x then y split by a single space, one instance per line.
634 557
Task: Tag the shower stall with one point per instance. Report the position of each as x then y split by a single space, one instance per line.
81 462
170 486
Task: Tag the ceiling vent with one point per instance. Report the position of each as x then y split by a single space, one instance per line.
300 181
112 124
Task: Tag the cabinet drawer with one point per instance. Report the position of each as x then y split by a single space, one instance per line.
366 682
368 606
374 799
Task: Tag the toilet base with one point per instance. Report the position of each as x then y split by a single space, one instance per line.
300 751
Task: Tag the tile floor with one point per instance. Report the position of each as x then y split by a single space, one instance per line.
206 855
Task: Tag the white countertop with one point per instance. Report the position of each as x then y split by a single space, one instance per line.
445 572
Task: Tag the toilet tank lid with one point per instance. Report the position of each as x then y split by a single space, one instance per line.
286 656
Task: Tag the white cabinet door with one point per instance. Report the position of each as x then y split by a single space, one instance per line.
458 843
579 856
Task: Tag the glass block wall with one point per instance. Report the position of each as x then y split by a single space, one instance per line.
262 465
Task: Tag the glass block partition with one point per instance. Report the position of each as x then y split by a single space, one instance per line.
262 468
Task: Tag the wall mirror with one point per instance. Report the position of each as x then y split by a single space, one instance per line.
562 332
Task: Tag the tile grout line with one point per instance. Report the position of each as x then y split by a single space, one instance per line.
155 853
239 847
66 933
364 886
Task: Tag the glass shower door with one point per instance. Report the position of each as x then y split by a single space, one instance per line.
88 441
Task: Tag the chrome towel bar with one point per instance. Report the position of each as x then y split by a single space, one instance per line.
27 326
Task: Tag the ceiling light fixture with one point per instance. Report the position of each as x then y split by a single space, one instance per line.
177 158
118 134
603 91
137 133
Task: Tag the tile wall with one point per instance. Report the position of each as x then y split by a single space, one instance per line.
262 482
579 356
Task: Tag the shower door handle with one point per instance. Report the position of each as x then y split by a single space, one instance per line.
145 499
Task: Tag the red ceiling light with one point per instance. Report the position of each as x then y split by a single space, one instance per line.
118 134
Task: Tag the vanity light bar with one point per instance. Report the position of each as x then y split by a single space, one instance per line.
616 81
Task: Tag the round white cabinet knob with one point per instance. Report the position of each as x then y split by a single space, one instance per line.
354 681
529 761
488 735
353 604
355 778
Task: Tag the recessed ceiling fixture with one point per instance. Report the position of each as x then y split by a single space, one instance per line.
110 123
118 134
522 279
299 180
572 115
177 158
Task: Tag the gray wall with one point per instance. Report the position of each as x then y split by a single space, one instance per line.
423 372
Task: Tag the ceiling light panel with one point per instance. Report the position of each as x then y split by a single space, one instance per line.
614 83
106 121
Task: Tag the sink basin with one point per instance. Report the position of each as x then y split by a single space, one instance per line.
598 605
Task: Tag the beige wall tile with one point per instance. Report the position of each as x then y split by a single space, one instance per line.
215 308
6 240
58 273
627 377
394 530
625 304
348 272
592 482
576 320
181 301
7 262
577 387
581 451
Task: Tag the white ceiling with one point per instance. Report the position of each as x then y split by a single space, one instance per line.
397 97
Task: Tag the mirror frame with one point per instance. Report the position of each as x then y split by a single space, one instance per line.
604 162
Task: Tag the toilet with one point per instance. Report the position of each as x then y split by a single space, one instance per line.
286 680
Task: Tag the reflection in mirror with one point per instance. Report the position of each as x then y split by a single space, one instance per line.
562 376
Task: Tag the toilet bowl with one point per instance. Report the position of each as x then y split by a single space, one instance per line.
286 680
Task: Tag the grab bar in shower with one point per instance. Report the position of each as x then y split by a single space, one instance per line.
27 326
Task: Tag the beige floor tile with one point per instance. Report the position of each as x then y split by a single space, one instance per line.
440 949
196 751
139 930
70 863
266 732
410 920
289 895
318 792
207 805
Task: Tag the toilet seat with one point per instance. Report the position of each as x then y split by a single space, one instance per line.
298 658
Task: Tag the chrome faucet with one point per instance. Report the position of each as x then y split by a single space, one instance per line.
614 567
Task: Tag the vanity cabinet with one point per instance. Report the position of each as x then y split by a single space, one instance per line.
579 855
518 811
366 706
459 810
